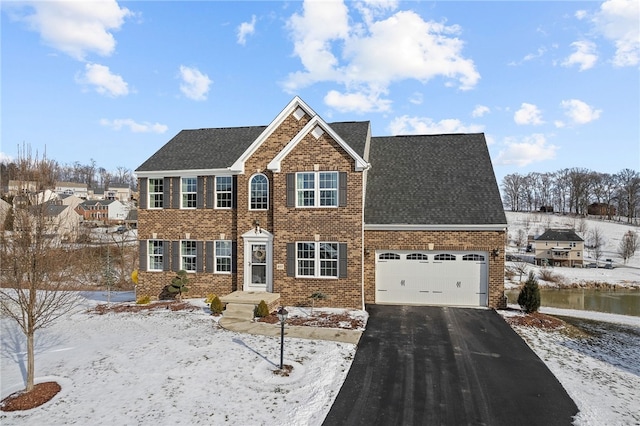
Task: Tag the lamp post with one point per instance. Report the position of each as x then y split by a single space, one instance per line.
282 316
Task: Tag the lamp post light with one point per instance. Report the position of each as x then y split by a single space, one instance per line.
282 316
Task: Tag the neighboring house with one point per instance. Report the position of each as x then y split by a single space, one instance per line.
302 205
107 211
19 187
70 200
118 192
559 247
4 211
60 220
132 219
80 190
601 209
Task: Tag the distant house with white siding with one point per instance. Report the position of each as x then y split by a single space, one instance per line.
72 188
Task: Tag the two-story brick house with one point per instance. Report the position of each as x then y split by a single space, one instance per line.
302 205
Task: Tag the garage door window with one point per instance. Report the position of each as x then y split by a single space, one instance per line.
417 256
444 256
389 256
473 257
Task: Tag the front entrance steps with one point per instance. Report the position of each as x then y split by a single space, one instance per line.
242 304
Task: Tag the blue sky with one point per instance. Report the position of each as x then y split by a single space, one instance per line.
552 84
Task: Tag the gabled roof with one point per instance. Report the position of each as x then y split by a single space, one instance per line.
559 235
218 149
432 182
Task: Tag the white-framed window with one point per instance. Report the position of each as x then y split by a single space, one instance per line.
188 254
156 254
189 191
317 259
224 192
223 256
444 256
317 189
417 256
473 257
259 192
156 193
389 256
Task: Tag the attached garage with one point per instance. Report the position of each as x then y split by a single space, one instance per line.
457 278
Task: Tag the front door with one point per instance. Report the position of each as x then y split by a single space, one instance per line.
257 255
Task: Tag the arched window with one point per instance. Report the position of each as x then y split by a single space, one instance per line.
259 192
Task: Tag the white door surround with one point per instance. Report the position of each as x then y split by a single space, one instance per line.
258 260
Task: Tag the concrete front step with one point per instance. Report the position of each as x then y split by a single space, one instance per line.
239 311
253 298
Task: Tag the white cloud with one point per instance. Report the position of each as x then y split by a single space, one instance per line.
133 126
103 80
357 102
416 98
406 125
5 158
195 85
77 27
367 57
580 14
480 110
528 114
619 21
584 55
529 57
580 112
531 149
245 29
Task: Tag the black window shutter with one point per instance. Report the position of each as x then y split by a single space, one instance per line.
175 256
143 185
291 189
166 193
234 256
175 200
142 252
209 256
291 259
200 194
234 192
342 260
166 260
211 182
199 265
342 189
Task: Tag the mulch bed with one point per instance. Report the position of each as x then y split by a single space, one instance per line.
536 319
154 306
41 393
322 319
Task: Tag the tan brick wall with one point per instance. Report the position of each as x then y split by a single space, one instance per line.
441 240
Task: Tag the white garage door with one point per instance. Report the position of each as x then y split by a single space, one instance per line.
432 277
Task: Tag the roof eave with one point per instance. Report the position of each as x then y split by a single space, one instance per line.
434 227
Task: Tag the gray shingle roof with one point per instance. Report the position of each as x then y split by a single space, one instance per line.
219 148
432 180
559 235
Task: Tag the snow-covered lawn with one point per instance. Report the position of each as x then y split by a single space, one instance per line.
165 367
600 368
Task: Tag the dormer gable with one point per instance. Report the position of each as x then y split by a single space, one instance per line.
297 107
317 127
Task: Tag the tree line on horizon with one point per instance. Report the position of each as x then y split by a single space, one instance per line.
51 171
573 190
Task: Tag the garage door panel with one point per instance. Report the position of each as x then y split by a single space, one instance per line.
456 278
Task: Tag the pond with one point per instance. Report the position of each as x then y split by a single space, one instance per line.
623 302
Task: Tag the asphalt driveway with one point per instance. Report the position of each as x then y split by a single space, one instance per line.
427 365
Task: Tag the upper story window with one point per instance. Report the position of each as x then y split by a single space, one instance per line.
224 192
259 190
156 193
189 191
317 189
188 254
156 254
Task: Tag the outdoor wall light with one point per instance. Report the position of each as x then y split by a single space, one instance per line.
282 316
495 252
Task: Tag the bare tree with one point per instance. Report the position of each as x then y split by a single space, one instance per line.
512 188
596 242
34 280
629 192
629 244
